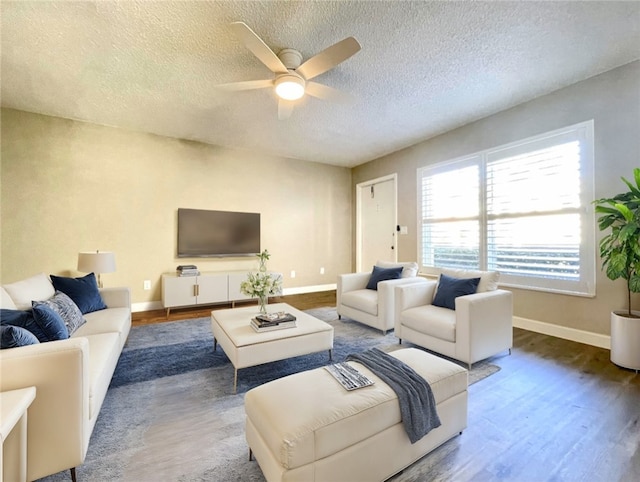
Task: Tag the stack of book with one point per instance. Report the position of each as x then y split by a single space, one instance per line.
273 321
187 270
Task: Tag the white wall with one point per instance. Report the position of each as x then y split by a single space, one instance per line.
612 99
70 186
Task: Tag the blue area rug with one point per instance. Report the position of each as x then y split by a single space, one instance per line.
171 415
144 359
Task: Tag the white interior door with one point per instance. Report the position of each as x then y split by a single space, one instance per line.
376 222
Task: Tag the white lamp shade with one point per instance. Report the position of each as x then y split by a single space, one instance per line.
96 262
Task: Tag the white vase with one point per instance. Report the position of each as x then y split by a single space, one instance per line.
625 340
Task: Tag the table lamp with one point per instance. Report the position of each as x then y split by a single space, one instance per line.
96 262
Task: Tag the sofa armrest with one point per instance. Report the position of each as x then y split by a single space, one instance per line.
116 297
386 297
57 433
484 320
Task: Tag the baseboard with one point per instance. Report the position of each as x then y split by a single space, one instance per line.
308 289
573 334
157 305
146 306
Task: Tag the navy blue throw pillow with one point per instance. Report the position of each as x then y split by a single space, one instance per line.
450 288
14 336
382 274
83 291
43 327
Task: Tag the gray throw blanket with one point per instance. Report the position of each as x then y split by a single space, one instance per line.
417 405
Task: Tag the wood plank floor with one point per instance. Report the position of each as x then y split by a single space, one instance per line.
556 411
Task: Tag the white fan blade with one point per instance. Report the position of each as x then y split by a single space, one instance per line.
325 92
248 85
285 107
329 58
258 47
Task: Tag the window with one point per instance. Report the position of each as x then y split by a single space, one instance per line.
523 209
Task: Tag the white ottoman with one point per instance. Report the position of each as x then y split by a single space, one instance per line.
306 427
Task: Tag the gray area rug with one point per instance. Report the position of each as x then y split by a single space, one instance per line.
171 415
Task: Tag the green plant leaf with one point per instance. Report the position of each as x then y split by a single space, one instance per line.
634 283
625 211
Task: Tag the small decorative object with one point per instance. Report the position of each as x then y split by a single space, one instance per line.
261 284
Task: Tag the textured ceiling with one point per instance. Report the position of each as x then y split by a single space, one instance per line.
424 68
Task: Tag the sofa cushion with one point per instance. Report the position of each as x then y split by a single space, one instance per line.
450 288
83 291
43 328
488 279
362 300
14 336
409 269
431 320
110 320
36 288
66 308
6 301
383 274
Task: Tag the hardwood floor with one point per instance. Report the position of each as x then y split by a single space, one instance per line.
556 411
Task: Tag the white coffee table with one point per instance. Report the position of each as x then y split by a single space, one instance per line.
246 348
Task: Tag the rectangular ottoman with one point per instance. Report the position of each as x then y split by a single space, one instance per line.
307 427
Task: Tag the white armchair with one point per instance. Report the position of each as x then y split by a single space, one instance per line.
480 326
369 306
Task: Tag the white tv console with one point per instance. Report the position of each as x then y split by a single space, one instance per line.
205 289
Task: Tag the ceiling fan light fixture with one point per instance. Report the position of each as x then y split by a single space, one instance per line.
289 87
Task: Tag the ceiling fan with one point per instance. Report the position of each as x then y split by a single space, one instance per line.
292 79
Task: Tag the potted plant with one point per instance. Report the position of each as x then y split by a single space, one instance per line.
620 253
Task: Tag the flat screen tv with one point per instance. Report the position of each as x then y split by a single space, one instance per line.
217 234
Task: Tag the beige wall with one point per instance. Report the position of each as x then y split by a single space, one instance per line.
612 99
70 186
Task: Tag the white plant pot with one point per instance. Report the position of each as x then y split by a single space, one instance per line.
625 340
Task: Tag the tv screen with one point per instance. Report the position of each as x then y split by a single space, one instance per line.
210 234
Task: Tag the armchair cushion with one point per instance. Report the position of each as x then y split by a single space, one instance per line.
362 300
431 320
488 279
409 269
383 274
450 288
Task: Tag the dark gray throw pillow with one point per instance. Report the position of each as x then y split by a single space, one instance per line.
14 336
450 288
83 291
381 274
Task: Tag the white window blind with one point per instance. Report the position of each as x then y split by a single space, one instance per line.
451 224
523 209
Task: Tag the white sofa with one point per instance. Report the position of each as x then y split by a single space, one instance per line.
480 326
373 307
71 377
